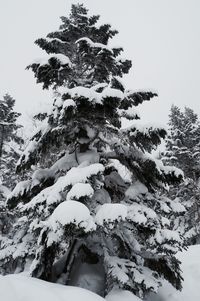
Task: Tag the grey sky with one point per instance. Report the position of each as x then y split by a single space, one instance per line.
162 37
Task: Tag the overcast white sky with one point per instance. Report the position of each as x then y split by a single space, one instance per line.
161 37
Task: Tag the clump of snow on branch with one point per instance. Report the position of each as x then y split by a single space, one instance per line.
108 213
72 212
63 59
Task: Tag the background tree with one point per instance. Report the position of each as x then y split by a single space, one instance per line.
10 141
183 150
10 145
90 214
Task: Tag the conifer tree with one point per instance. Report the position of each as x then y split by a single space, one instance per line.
183 151
10 144
10 141
183 143
91 211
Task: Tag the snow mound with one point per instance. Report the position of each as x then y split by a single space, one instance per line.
19 288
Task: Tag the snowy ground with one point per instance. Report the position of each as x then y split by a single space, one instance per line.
22 288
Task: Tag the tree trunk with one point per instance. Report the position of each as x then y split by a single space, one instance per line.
87 271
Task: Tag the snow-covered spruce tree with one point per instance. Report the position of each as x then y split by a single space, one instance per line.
10 143
183 143
183 151
90 214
